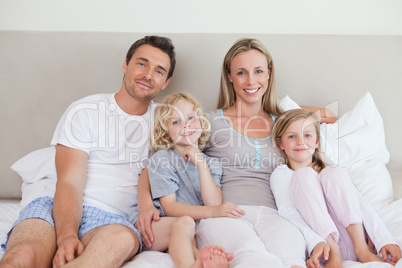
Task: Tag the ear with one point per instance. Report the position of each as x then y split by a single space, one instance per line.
229 77
278 140
166 83
317 142
124 68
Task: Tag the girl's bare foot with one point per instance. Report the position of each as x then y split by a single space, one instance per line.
365 255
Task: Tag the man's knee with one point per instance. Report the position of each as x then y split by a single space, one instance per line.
125 240
22 255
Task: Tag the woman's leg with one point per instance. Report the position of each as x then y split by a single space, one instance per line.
281 238
237 236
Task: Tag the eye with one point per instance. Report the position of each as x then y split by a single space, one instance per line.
175 122
141 64
240 73
159 72
308 135
191 117
291 136
259 71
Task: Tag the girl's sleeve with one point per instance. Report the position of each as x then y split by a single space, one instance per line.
280 186
375 227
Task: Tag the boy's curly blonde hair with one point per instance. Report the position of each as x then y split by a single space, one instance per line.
159 138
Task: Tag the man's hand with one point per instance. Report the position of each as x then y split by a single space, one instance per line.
67 250
144 223
321 249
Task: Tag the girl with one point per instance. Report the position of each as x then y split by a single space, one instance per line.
185 183
322 201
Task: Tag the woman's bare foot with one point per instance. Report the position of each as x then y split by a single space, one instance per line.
213 257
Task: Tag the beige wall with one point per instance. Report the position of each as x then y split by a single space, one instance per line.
41 73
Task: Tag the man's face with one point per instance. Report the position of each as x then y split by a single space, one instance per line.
146 73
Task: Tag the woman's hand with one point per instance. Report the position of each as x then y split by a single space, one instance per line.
325 115
321 249
227 209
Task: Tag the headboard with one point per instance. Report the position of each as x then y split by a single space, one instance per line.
41 73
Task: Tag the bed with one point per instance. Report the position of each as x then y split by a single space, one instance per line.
358 77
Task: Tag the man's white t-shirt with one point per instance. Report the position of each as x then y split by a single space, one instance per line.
117 148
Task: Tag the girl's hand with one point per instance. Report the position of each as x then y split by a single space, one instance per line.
227 210
321 249
394 250
193 154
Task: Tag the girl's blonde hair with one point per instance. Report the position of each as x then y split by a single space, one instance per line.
285 120
159 138
227 95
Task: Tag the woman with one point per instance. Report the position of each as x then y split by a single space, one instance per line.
241 129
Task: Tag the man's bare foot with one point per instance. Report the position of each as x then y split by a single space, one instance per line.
213 257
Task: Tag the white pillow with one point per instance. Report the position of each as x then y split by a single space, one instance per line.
36 165
356 142
38 172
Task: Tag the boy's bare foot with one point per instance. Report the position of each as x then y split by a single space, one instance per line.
213 257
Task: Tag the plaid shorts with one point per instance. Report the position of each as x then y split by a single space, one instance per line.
92 217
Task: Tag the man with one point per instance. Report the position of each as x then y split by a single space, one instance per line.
101 148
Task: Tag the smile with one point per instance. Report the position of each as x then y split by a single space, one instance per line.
251 91
188 133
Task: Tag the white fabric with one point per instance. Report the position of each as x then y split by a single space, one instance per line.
261 238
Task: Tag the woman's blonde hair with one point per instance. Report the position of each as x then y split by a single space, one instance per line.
159 138
285 120
227 95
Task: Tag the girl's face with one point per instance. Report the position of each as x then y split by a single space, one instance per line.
299 143
184 128
249 74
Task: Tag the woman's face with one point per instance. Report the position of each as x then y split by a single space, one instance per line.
249 74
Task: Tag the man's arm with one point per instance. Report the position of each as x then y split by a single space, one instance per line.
146 209
71 166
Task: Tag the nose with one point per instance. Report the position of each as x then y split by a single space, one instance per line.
300 141
147 73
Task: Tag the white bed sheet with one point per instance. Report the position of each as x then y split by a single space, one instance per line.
391 214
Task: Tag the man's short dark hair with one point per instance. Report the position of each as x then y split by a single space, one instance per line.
160 42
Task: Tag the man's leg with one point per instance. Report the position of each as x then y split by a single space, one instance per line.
107 246
32 243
